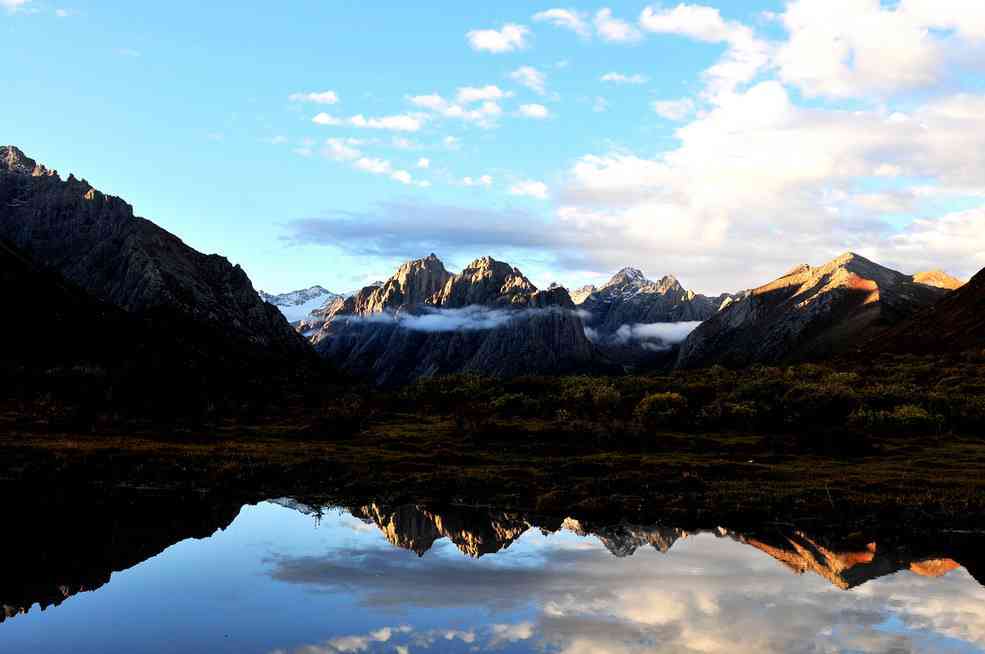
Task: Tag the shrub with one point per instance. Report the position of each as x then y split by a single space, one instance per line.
661 410
903 419
819 404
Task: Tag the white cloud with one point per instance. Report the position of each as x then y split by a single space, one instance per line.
531 189
373 165
452 142
507 39
745 57
63 13
622 78
423 162
758 169
484 115
399 123
530 77
470 94
674 109
536 111
853 48
613 29
600 104
317 97
326 119
13 5
342 149
485 180
569 19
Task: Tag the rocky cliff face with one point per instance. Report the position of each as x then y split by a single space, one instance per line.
424 321
96 242
630 298
808 313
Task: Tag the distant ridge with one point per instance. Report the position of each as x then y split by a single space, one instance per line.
810 313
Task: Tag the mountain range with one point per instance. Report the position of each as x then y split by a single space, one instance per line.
64 238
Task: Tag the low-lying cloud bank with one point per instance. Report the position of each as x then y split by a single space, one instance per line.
470 318
655 337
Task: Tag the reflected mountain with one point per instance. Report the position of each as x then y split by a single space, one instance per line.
64 546
69 545
845 562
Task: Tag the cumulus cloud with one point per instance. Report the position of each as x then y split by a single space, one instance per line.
847 48
613 29
569 19
674 109
317 97
506 39
397 123
530 77
424 162
469 94
622 78
484 180
537 111
744 58
530 189
13 5
483 114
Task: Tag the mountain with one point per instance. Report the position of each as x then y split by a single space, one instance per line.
95 241
809 313
954 324
424 321
300 305
629 298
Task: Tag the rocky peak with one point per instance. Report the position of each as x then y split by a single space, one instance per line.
938 279
14 160
627 276
416 282
487 281
579 295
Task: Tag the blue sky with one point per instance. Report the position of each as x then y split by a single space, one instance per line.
720 143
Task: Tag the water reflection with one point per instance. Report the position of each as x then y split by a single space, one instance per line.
289 578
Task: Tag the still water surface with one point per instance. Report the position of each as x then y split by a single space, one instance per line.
281 578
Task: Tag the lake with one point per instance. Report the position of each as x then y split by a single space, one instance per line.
282 577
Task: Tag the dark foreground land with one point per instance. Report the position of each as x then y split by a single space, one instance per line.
850 447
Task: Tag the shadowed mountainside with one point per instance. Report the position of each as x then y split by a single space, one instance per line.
954 324
425 321
96 242
810 313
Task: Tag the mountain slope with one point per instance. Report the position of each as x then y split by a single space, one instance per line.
424 321
630 298
300 305
96 242
954 324
808 313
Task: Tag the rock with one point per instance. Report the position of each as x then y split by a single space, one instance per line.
808 313
424 321
96 242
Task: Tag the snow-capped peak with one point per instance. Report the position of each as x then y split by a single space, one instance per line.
297 305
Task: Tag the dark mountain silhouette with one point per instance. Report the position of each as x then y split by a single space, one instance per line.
954 324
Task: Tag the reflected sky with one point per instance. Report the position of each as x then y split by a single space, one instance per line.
280 581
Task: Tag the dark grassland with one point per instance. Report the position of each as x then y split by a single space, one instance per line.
851 444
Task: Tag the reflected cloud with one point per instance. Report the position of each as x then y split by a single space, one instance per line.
666 590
